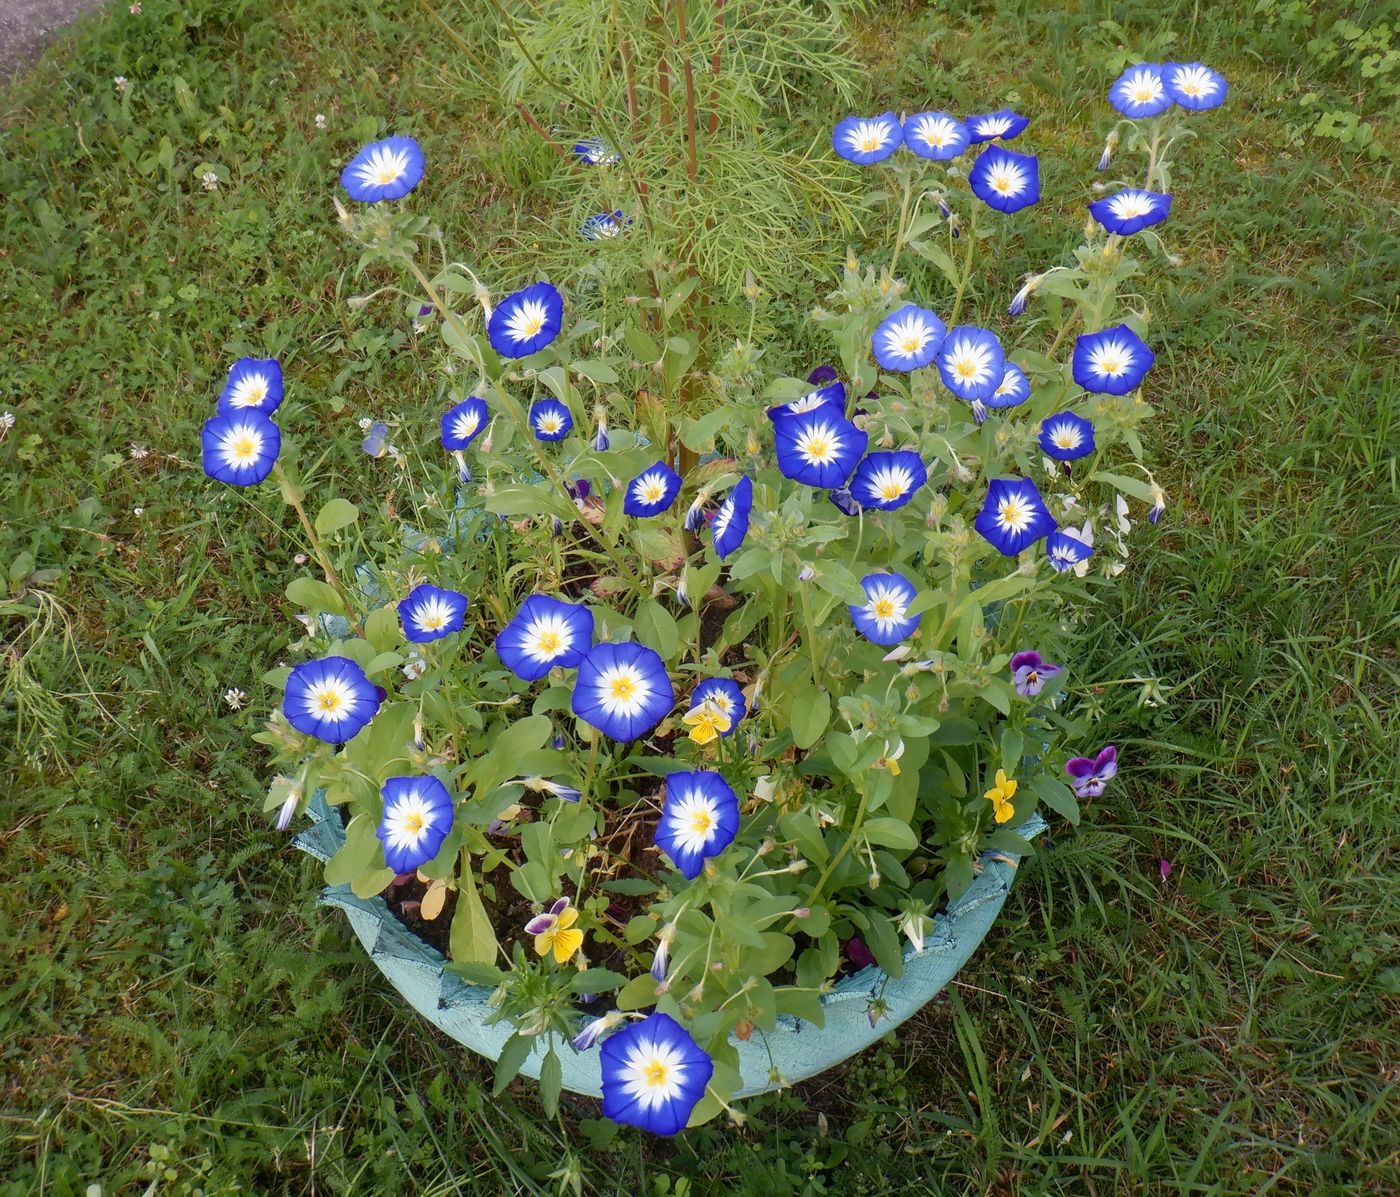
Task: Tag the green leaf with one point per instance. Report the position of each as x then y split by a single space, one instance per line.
486 975
883 942
638 993
643 348
656 628
595 371
514 1053
1006 840
801 1003
811 712
1136 487
801 828
1057 796
358 855
335 515
1011 744
597 980
551 1082
312 595
472 939
890 833
382 628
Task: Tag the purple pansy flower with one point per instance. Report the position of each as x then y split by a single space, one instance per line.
1030 672
1091 774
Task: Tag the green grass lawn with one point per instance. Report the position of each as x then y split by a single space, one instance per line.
175 1011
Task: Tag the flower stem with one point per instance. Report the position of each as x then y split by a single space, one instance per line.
903 224
292 494
971 234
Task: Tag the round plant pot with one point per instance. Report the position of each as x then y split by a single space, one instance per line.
793 1051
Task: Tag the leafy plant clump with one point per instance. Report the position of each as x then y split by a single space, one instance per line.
695 740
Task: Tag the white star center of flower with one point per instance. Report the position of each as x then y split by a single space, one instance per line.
651 489
328 699
1006 179
818 446
1133 204
622 690
243 449
548 636
1065 437
527 320
249 391
1014 514
550 422
887 606
653 1074
694 820
383 167
868 136
465 424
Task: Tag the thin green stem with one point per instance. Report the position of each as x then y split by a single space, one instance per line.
903 224
971 234
291 492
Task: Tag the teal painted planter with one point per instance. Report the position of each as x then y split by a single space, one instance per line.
794 1051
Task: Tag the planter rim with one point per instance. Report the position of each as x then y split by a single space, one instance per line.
792 1052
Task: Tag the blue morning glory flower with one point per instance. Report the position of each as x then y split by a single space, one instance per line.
622 690
884 618
596 153
384 170
936 135
699 819
527 321
907 338
253 382
732 520
725 695
240 448
430 613
417 817
330 699
863 140
654 1075
971 362
550 420
464 423
1065 551
1194 85
1130 210
1111 362
887 480
844 500
1140 91
1005 180
1004 124
546 632
1014 388
833 395
1066 436
1014 516
652 491
818 447
604 226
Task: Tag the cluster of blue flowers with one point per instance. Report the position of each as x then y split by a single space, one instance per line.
241 441
1000 178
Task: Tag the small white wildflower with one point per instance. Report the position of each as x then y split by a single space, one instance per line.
122 84
365 423
320 120
300 558
235 698
7 420
139 452
138 511
415 667
134 9
209 180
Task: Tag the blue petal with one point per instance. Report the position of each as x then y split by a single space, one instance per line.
886 125
633 504
510 342
463 423
983 349
732 520
268 370
662 1118
958 135
1131 355
419 597
847 443
362 699
408 857
540 410
725 805
223 430
405 149
886 341
726 694
864 482
997 162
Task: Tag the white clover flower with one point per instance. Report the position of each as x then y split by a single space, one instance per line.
7 420
235 698
209 180
122 83
320 120
138 511
365 423
139 452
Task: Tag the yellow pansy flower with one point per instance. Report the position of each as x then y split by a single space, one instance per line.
706 722
1000 796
